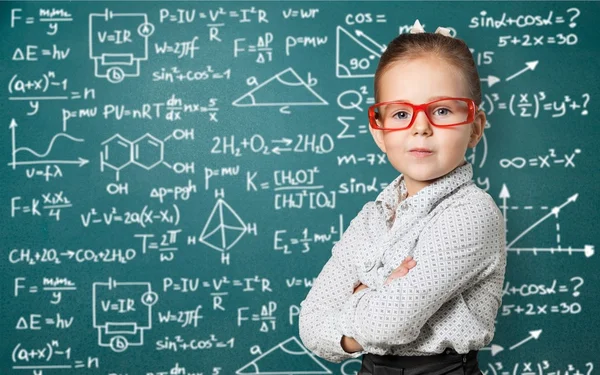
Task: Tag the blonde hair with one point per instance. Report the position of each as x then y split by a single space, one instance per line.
412 46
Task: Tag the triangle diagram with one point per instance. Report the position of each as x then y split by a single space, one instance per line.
353 58
223 229
287 358
285 88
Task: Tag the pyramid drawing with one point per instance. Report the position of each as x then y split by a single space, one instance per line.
286 358
223 229
348 47
285 88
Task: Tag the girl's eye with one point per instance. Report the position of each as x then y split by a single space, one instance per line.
401 115
442 111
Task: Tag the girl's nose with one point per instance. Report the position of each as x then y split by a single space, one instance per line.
421 124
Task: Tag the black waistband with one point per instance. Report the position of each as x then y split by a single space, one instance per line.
448 355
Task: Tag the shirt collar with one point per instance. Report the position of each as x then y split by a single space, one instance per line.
425 199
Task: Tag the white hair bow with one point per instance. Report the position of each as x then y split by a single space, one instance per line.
418 28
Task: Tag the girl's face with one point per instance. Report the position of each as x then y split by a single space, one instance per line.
419 81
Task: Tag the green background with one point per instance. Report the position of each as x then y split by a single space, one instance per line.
522 150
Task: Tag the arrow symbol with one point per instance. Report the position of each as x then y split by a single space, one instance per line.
13 130
80 161
530 66
532 335
504 195
287 141
495 349
588 250
491 80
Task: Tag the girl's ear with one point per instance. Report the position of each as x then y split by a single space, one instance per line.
378 137
477 128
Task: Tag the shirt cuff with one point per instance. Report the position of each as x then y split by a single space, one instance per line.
347 314
331 347
348 325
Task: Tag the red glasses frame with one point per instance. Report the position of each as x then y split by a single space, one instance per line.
422 107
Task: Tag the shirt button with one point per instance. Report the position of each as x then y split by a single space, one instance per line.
404 206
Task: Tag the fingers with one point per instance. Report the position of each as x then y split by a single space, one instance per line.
410 264
407 264
360 287
402 270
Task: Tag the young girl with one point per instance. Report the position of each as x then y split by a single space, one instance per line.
415 282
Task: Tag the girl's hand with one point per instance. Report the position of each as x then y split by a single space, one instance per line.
359 287
350 345
407 264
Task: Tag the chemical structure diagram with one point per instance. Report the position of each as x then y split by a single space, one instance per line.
146 151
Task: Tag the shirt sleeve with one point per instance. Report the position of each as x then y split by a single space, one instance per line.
465 246
320 313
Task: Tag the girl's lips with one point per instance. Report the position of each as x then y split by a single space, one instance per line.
420 153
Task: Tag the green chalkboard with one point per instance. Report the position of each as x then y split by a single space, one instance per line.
176 173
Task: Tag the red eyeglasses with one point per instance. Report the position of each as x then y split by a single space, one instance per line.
399 115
